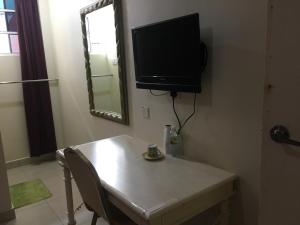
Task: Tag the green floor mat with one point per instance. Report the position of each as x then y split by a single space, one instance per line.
28 193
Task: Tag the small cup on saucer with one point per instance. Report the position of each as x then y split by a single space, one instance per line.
153 151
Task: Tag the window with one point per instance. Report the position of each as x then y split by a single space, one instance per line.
100 28
9 41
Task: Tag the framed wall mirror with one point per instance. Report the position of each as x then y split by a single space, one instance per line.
105 60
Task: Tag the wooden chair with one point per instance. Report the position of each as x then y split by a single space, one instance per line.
91 190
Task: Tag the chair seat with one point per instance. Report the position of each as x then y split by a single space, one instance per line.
91 190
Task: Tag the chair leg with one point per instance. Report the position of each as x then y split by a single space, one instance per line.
95 217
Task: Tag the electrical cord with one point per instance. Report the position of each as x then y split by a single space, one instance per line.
181 125
176 114
78 208
193 113
151 92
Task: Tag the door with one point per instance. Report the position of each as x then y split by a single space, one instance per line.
280 177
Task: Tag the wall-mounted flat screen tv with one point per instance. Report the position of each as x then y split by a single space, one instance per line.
169 55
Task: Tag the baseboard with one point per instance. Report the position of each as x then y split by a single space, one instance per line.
7 216
30 160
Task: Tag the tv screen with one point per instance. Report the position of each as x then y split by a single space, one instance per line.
169 55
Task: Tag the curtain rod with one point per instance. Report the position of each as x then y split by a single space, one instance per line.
108 75
27 81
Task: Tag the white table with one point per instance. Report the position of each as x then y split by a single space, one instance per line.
166 192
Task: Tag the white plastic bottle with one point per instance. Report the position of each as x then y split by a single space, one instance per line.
176 147
167 138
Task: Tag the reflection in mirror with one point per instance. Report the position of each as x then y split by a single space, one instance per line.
104 61
101 32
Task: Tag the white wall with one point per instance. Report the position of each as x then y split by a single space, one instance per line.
12 112
115 89
106 89
5 204
52 71
101 85
226 131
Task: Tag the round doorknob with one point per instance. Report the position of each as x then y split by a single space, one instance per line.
280 134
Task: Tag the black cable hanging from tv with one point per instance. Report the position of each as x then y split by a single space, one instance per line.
176 114
182 125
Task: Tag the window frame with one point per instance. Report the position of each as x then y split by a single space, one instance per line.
9 33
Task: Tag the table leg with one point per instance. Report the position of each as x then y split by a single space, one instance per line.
224 212
69 196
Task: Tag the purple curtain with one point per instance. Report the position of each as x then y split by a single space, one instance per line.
37 99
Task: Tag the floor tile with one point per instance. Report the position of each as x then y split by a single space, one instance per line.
37 215
52 211
43 170
59 205
55 185
16 176
31 206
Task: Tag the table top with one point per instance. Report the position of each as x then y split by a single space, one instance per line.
147 186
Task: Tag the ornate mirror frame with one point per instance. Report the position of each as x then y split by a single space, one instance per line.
124 117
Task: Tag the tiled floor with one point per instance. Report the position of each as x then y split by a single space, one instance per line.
51 211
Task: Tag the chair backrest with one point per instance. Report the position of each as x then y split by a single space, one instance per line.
88 182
